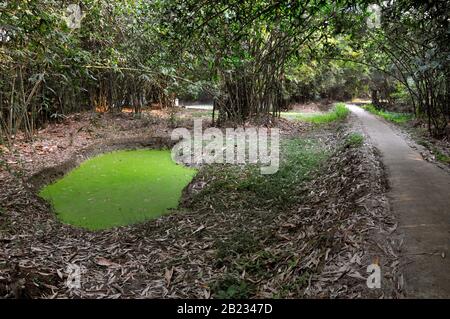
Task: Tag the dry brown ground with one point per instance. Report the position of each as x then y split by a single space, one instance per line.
320 249
312 107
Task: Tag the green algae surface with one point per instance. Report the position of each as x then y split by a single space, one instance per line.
118 188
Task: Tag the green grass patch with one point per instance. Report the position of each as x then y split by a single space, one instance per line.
202 114
441 157
232 287
245 186
338 113
119 188
299 283
258 199
389 116
291 115
354 140
240 242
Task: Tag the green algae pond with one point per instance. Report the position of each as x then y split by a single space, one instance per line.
118 188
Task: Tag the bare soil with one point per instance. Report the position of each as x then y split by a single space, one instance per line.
312 107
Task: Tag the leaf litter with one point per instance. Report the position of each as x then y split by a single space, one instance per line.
318 248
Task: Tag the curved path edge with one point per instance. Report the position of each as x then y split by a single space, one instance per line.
419 196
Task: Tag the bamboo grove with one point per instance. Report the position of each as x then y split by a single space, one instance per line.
252 57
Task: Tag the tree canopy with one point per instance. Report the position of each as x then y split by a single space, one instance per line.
251 57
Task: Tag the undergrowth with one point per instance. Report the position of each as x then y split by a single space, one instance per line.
440 156
338 113
258 199
354 140
389 116
244 187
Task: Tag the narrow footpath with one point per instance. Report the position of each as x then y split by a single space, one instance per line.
419 196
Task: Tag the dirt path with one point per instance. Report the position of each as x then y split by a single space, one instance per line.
420 197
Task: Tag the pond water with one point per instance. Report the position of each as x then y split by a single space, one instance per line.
119 188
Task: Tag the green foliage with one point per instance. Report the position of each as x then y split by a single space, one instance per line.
410 48
252 56
198 114
173 119
400 96
248 46
118 188
300 282
354 140
338 113
48 70
232 287
240 242
390 116
256 264
316 74
248 188
441 157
